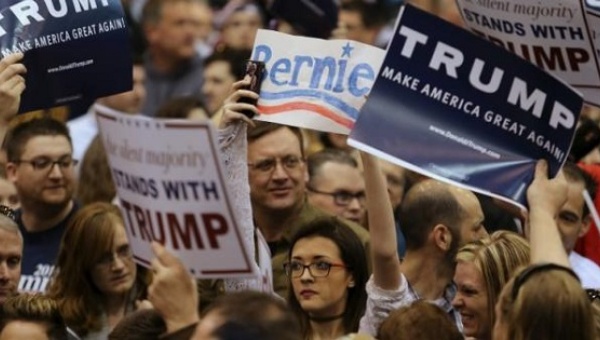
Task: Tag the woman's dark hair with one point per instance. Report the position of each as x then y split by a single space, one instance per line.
352 253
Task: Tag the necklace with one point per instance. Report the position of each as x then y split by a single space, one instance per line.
320 319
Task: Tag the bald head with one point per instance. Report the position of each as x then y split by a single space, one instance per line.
430 203
7 224
11 251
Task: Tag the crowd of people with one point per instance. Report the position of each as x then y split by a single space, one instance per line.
360 248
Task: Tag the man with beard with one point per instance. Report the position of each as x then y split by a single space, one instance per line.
40 165
436 219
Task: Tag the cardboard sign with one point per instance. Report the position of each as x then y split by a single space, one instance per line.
314 83
593 20
169 180
456 107
74 49
551 34
264 263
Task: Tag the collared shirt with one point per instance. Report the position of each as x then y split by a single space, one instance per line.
82 129
587 270
381 302
210 289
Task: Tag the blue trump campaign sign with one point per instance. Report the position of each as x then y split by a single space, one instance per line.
453 106
74 49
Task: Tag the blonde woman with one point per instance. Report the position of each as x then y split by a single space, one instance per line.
483 267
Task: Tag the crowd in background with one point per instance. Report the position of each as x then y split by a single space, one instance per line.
360 248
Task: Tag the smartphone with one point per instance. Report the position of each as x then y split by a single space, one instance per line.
255 70
587 137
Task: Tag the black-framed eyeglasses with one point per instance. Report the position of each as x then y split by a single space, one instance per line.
8 212
342 197
123 253
45 163
295 269
289 162
538 268
593 294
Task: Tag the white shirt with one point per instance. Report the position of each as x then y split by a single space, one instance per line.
587 270
381 302
82 129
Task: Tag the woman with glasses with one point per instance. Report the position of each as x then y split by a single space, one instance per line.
96 281
327 271
546 299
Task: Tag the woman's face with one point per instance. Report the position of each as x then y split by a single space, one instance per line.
324 295
115 272
471 301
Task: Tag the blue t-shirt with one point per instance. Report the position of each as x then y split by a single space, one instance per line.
39 254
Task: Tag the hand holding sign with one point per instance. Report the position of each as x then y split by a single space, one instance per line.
12 84
173 291
231 111
546 197
544 194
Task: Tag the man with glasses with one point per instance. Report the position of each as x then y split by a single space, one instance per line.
336 185
277 176
40 165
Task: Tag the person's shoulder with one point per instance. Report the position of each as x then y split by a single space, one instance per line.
578 261
586 269
360 231
19 219
63 224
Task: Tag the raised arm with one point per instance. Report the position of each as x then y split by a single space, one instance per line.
546 197
232 140
384 251
173 291
230 112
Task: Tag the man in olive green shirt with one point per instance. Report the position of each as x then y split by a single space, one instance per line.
277 175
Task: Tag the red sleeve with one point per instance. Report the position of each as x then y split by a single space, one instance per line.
589 245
